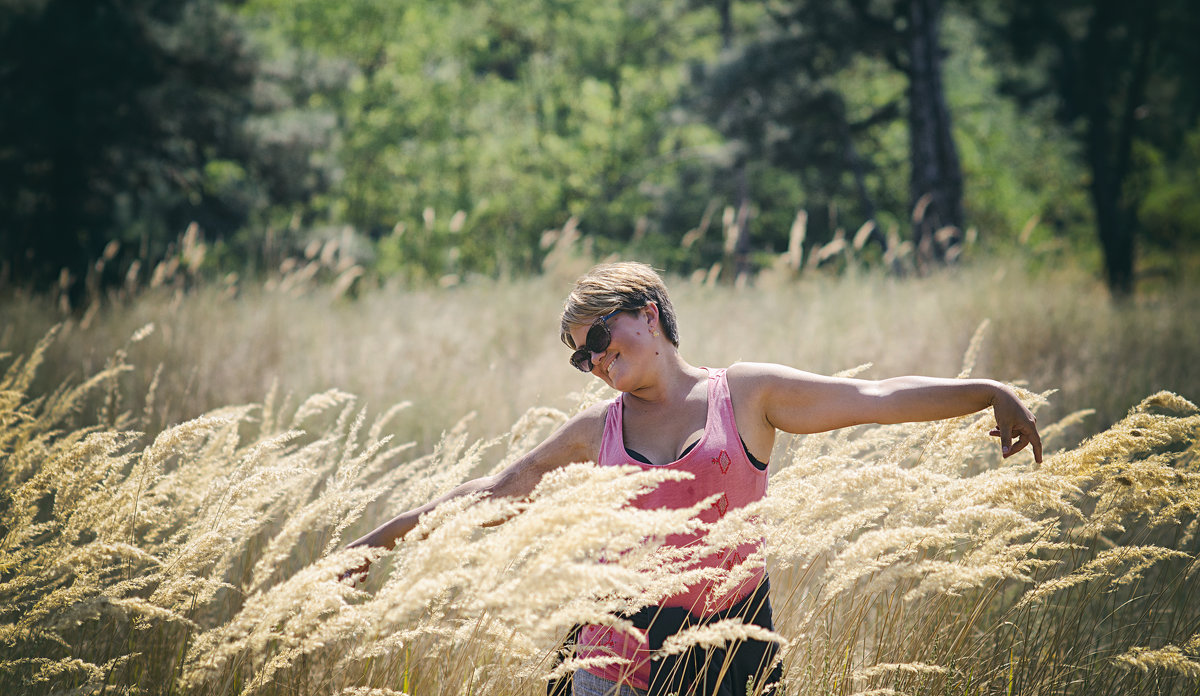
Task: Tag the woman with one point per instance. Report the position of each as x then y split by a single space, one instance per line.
719 425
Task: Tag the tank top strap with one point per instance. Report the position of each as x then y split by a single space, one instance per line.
611 448
720 404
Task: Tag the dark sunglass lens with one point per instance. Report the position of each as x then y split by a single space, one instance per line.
582 360
598 338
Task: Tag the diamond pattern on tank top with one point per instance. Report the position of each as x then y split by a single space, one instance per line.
723 461
722 505
731 561
726 604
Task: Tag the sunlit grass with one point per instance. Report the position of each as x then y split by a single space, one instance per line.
172 524
490 347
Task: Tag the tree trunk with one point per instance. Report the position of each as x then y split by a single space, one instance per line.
1109 140
1116 238
741 251
858 169
935 184
725 11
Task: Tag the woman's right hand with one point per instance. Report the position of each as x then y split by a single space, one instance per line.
357 574
1015 420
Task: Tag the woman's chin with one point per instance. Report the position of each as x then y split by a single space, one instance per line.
616 372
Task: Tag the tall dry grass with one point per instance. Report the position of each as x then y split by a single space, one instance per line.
488 347
203 557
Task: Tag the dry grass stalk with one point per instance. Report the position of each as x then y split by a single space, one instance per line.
904 559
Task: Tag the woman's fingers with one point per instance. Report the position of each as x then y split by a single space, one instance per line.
1005 440
1036 441
1021 443
1015 421
355 575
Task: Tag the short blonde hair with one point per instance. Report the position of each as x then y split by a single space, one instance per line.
610 287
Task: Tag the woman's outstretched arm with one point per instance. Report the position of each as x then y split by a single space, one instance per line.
802 402
576 441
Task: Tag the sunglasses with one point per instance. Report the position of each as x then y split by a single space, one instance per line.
598 338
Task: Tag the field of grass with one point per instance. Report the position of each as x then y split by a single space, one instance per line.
490 348
178 470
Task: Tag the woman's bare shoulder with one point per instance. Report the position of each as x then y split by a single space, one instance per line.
750 369
591 416
763 371
582 432
748 382
754 381
755 374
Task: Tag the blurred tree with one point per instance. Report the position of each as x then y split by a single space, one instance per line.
786 98
1168 188
1119 73
1025 182
518 113
128 120
936 183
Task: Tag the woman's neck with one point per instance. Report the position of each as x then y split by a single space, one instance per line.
670 383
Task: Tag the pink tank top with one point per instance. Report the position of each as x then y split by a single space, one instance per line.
720 467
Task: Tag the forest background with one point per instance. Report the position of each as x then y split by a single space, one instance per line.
440 140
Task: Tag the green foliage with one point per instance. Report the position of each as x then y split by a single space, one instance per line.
128 121
1115 73
270 122
789 94
1167 188
516 113
1025 180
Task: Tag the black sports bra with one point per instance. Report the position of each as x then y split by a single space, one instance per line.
761 466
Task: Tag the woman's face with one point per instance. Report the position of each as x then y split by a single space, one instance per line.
620 363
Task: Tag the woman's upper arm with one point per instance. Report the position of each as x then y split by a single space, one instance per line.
578 440
795 401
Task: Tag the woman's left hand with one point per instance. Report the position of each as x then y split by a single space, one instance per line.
1014 419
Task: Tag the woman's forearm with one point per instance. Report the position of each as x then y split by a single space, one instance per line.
574 442
906 399
387 534
903 399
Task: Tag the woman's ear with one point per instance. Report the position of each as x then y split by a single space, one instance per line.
651 310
